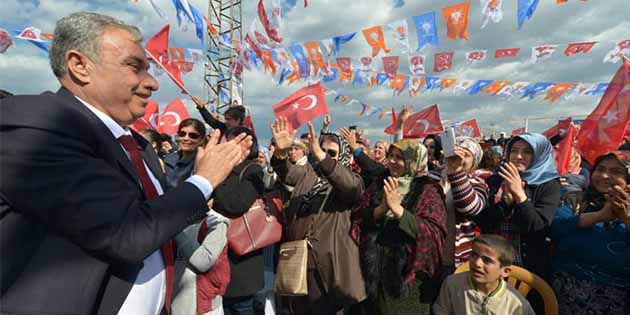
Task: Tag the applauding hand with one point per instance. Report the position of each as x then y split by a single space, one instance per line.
350 138
513 183
392 197
216 161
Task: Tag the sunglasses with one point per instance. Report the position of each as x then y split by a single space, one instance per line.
331 153
191 135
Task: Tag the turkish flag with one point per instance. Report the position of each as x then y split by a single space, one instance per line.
391 129
442 61
468 128
564 149
302 106
157 47
577 48
150 118
172 116
518 131
423 123
560 128
604 128
390 66
506 52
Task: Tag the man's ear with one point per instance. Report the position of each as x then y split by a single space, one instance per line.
505 271
79 66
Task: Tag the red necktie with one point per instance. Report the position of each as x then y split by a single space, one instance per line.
150 193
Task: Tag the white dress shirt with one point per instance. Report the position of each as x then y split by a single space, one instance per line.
148 293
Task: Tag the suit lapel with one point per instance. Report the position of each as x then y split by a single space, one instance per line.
105 141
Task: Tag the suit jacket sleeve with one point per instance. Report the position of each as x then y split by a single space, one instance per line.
66 185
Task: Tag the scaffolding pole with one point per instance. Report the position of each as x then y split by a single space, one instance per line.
223 88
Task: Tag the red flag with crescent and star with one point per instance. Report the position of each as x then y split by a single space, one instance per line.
172 116
442 61
423 123
302 106
150 120
506 52
604 128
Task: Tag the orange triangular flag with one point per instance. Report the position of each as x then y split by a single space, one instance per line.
376 39
316 57
268 61
448 82
495 87
554 92
457 20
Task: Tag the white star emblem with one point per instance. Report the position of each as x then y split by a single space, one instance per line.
610 116
295 105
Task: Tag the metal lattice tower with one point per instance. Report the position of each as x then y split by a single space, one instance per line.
222 86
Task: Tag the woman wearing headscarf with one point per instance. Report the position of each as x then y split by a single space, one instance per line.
466 196
524 195
400 224
334 278
591 263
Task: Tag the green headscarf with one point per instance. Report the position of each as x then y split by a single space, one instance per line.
415 156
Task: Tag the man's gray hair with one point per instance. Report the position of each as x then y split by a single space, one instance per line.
82 31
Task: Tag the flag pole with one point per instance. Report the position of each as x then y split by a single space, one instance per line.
167 72
526 124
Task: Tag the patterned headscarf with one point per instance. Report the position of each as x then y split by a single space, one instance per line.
473 147
415 155
345 158
345 154
543 167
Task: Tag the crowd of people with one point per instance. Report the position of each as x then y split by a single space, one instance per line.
99 219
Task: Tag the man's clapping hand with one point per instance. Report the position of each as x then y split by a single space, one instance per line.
216 161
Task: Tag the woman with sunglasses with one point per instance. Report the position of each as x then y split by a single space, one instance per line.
319 207
400 223
179 165
591 263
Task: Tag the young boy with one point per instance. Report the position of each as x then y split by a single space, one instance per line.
482 289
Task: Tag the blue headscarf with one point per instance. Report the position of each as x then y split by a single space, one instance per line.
543 167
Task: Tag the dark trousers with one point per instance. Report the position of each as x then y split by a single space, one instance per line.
242 305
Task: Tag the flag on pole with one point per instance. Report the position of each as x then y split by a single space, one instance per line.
157 49
302 106
604 129
423 123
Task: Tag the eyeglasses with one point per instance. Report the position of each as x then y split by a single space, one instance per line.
191 135
331 153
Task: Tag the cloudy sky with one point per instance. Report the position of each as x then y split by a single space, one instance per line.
24 68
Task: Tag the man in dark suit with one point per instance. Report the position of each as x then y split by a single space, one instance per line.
85 225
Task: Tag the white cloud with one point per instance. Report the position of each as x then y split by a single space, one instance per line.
25 70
